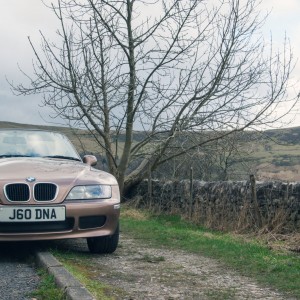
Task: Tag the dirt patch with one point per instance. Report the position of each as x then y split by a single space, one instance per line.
139 271
282 242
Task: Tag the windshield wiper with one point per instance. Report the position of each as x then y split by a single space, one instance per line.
62 157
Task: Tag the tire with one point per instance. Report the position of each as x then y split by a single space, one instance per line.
104 244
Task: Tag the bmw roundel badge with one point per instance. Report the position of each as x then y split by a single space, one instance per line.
30 179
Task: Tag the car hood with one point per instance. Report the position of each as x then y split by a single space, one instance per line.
58 171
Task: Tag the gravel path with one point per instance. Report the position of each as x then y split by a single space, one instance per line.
137 271
17 277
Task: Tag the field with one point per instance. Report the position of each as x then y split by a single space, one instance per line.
276 155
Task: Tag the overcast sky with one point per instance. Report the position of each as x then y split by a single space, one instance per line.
22 18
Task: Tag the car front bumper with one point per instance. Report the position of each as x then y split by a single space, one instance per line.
83 219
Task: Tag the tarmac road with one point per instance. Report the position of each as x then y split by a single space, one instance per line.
18 276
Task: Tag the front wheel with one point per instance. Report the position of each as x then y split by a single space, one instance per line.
104 244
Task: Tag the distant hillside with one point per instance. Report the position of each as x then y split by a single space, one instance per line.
285 136
274 154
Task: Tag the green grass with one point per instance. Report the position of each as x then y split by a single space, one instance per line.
82 268
279 270
47 289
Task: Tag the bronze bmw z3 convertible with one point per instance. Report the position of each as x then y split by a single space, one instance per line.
47 192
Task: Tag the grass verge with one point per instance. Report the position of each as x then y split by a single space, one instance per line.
80 266
47 289
278 269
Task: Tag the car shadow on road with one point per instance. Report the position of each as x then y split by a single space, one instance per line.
70 245
17 251
20 251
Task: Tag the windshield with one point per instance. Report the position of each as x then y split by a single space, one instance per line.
34 143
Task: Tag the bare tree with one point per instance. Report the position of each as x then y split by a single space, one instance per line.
170 68
223 159
224 155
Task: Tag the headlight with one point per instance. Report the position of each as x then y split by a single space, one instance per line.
90 192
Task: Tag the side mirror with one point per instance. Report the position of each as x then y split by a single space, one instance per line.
90 160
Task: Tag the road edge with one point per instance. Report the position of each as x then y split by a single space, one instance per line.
72 287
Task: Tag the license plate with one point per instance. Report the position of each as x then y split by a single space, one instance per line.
32 214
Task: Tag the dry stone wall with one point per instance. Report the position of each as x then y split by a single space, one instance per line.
272 206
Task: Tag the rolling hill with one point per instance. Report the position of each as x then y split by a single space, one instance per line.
275 154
